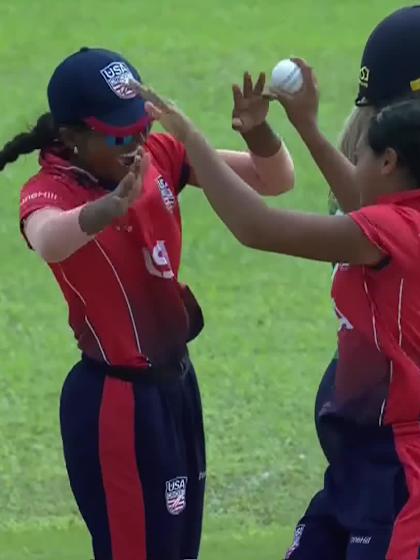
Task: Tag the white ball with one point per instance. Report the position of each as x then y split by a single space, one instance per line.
286 77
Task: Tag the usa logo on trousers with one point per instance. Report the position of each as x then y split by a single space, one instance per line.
175 494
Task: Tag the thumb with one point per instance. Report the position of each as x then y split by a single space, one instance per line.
281 96
126 184
144 164
237 124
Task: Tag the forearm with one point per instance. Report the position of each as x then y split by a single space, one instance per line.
270 160
269 176
262 140
233 200
57 234
324 238
338 171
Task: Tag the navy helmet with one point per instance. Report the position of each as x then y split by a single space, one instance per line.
390 66
91 87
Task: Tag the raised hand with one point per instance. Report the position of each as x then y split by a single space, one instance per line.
130 187
250 107
301 107
170 117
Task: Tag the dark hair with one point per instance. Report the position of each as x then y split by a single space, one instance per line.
42 135
397 126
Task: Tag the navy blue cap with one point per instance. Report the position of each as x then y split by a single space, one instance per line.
390 66
90 87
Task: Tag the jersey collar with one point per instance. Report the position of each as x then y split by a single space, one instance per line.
54 160
400 197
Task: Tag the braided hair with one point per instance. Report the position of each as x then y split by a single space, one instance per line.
42 135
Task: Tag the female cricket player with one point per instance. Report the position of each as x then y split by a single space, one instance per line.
103 213
389 70
368 415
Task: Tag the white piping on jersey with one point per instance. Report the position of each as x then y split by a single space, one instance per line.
86 319
400 311
375 334
130 311
381 415
78 169
400 338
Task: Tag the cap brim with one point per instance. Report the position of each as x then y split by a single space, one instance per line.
130 118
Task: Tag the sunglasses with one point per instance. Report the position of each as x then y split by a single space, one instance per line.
113 141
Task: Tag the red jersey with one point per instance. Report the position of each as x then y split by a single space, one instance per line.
368 403
126 306
379 311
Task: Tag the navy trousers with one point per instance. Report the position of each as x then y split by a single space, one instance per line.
135 457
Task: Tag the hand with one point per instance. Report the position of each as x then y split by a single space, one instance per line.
250 107
301 107
131 186
101 213
169 116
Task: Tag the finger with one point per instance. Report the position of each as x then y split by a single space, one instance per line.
153 111
237 124
259 86
314 80
237 95
308 75
124 188
136 166
149 95
247 89
144 164
269 94
134 85
243 124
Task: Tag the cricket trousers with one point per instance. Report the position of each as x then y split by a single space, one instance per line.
135 456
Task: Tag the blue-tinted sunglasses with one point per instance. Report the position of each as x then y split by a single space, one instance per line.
113 141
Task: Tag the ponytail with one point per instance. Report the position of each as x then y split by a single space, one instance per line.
43 134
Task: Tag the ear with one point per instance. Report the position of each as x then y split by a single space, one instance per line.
70 137
389 161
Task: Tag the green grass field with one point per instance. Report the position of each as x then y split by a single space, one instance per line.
270 330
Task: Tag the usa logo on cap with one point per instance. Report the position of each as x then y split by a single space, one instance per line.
175 493
117 76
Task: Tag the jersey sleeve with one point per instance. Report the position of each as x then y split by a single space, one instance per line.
45 192
394 229
170 157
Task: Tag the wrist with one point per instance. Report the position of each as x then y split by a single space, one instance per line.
97 215
191 136
261 140
307 127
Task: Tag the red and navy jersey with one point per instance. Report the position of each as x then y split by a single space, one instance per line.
375 381
126 306
368 403
378 370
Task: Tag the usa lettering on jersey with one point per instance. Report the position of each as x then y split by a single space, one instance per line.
166 193
157 262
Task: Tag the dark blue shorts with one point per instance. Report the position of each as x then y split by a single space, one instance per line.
322 538
135 457
320 535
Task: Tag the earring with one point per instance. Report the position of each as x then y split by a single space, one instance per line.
75 150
